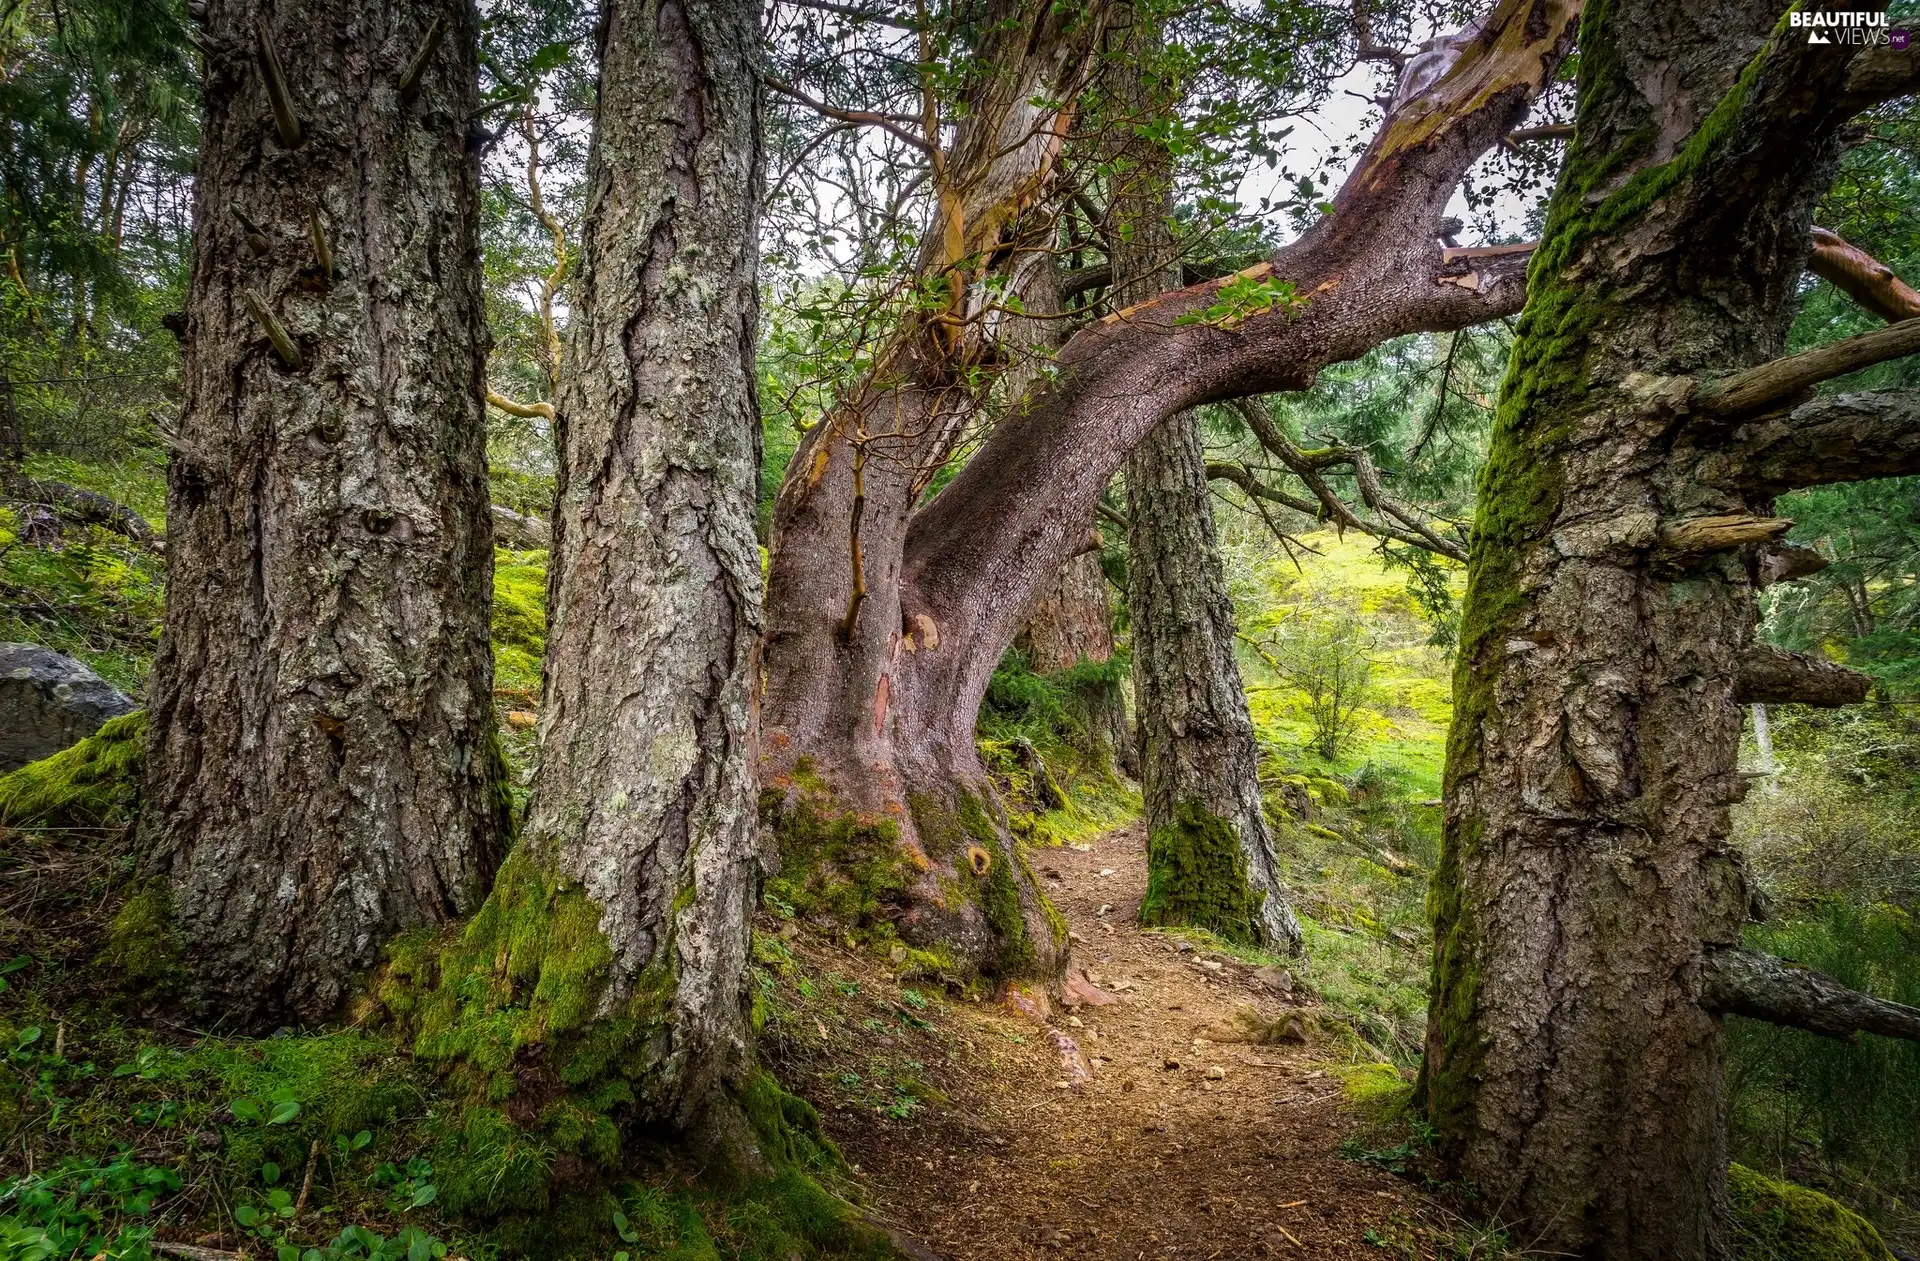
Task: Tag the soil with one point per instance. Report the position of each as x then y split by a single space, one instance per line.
970 1133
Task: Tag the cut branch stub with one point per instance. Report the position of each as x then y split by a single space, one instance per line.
1862 277
410 79
276 331
279 96
256 239
1774 676
1702 536
1747 983
1784 562
1783 378
322 252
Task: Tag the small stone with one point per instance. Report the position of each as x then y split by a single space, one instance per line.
1105 872
1171 1064
1080 848
1104 908
1074 1022
1184 946
1275 979
898 954
1216 1073
1211 965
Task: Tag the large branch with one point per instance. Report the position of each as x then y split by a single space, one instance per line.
1862 277
1371 270
1747 983
84 507
1783 378
1879 74
1774 676
1833 438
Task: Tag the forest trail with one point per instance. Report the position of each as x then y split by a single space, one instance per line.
1154 1156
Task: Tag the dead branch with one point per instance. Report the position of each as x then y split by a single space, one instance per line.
1833 438
1553 131
1774 676
1747 983
1703 536
523 410
84 507
1880 74
1862 277
1785 377
1783 562
864 118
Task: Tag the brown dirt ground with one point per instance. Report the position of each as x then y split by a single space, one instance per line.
996 1157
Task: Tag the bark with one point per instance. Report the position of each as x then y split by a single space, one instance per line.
321 768
641 829
1745 983
1587 883
869 705
1210 855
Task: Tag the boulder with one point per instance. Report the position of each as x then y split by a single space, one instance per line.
49 702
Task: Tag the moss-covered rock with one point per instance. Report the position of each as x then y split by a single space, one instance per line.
1197 877
519 618
94 784
1781 1221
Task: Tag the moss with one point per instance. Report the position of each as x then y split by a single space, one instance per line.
96 783
836 865
519 618
143 948
1779 1221
987 878
1378 1091
1197 877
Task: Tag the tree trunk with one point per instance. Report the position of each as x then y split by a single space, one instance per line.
1587 885
1070 628
321 767
618 930
873 688
1210 857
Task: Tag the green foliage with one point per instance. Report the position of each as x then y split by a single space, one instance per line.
1778 1221
1197 876
82 1208
519 618
93 784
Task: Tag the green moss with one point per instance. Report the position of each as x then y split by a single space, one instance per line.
143 948
836 865
985 860
1197 876
96 783
1780 1221
519 618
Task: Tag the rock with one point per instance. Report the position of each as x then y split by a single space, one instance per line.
1171 1064
1278 980
1078 990
1211 965
518 532
1074 1022
49 702
1216 1073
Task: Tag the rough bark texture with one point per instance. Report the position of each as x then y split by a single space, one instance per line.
1210 855
1072 626
321 767
885 708
1573 1064
642 820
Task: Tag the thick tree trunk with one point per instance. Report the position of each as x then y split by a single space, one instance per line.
1587 886
321 770
876 692
622 918
1071 627
1210 857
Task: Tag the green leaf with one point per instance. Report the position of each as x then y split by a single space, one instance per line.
284 1111
550 57
362 1139
247 1215
269 1173
625 1230
423 1194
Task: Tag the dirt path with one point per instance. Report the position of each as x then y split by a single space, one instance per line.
1158 1154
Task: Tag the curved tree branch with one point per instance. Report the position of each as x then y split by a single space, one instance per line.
1747 983
525 411
1880 74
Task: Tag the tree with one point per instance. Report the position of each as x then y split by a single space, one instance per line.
1587 907
321 768
887 614
615 939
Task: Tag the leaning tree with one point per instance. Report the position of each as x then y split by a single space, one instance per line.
887 610
321 767
611 955
1589 903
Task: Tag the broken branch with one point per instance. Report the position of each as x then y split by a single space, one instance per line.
410 80
275 330
1785 377
1834 438
1774 676
1862 277
1747 983
526 411
279 97
1702 536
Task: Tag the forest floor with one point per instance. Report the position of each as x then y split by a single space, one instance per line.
969 1133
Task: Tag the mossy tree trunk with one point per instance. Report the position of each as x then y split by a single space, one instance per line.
1588 905
321 771
1210 857
615 942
